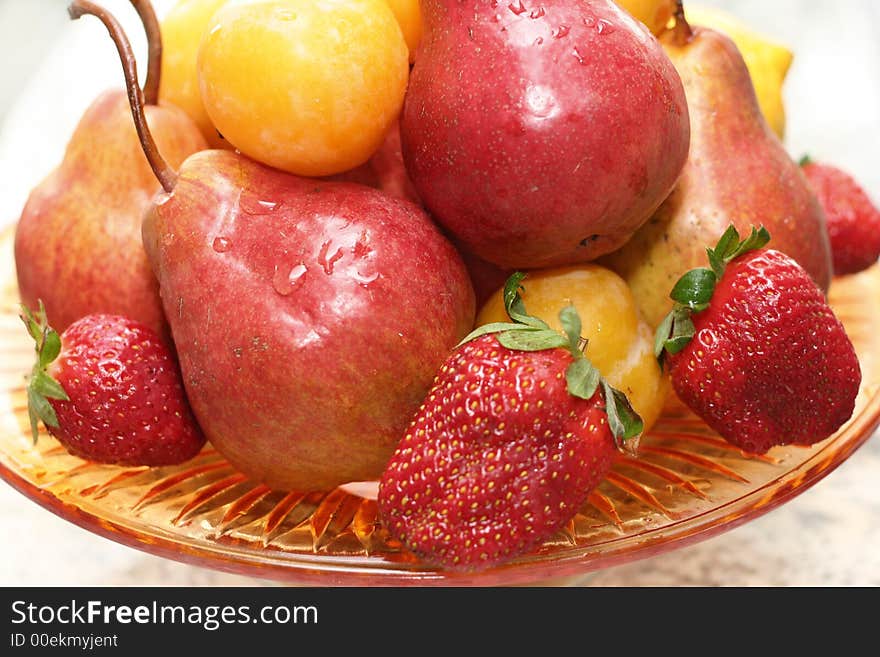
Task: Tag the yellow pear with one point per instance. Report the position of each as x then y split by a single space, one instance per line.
768 61
653 13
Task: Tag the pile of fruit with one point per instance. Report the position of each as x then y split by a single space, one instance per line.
467 250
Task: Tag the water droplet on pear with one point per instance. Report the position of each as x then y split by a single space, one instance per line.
256 206
605 27
561 31
286 279
329 255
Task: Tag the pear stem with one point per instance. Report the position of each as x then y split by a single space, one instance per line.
683 32
145 10
166 175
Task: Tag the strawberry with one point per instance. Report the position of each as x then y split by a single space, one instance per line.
109 389
516 431
853 220
754 349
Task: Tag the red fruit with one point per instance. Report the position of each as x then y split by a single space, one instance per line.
124 402
500 456
853 220
768 362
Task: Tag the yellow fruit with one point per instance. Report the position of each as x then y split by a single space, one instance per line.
409 17
305 86
768 62
621 344
182 30
653 13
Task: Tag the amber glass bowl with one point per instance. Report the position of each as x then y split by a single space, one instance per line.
687 484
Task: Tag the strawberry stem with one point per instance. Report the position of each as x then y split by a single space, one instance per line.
41 386
693 291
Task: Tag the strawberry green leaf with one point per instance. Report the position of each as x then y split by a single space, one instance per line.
757 239
716 262
50 347
512 286
514 305
582 378
727 243
571 324
623 420
675 331
40 406
41 386
683 330
495 327
33 326
805 160
34 420
662 334
720 255
675 345
532 340
730 247
45 385
695 287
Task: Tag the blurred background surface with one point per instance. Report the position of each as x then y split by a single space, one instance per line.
825 537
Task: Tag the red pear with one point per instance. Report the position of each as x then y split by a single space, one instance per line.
310 317
543 133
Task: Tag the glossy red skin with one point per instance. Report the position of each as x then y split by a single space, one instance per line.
852 218
541 136
78 243
127 405
770 363
495 462
311 383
